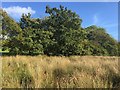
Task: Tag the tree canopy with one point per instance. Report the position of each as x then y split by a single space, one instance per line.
60 33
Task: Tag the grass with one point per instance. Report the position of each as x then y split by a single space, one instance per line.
60 72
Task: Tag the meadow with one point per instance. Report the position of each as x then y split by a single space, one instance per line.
60 72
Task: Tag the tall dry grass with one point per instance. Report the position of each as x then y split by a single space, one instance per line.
60 72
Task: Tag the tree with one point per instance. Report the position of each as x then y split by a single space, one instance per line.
63 17
60 33
67 32
12 31
31 44
103 43
118 48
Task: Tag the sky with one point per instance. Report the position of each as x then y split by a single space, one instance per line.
102 14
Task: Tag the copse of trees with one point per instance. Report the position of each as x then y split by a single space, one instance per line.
60 33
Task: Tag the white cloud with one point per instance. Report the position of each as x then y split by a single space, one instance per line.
17 11
95 19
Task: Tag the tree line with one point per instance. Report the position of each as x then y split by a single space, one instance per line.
60 33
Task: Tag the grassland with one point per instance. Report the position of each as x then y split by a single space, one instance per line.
60 72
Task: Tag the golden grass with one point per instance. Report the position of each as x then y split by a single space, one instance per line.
60 72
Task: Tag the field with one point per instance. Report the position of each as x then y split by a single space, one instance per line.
60 72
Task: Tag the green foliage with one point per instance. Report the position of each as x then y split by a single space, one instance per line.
13 32
65 26
63 18
101 42
118 48
31 44
60 33
9 26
